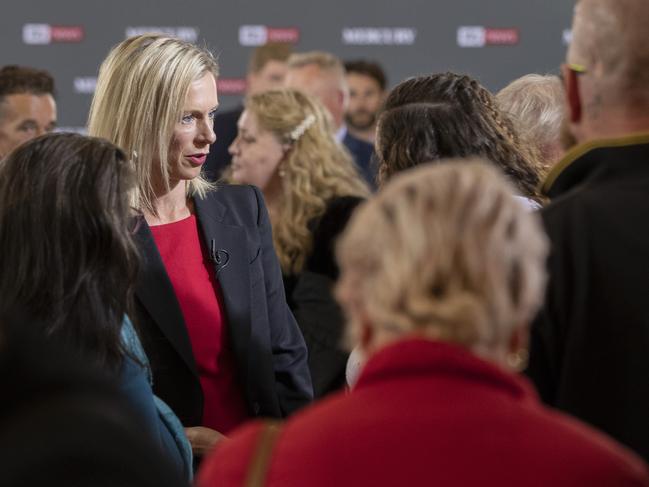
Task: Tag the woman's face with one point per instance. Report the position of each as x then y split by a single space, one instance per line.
256 153
194 132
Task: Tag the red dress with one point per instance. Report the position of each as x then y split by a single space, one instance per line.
197 291
430 413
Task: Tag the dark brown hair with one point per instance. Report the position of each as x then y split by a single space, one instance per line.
367 68
66 254
449 115
20 79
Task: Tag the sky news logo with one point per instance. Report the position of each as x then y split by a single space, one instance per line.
43 34
185 33
258 35
479 36
379 36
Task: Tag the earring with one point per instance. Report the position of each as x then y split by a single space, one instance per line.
517 361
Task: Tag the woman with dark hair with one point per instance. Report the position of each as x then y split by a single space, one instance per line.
449 115
69 263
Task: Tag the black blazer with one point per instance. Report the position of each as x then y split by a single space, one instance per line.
270 353
589 345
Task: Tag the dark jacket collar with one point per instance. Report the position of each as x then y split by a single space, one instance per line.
582 161
427 358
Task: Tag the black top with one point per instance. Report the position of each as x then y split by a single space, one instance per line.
588 351
312 302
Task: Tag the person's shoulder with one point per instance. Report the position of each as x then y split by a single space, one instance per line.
359 145
229 194
588 456
233 203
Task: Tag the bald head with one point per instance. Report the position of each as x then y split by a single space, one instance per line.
322 76
610 40
606 79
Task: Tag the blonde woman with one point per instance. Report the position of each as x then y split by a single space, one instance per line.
286 147
440 274
211 310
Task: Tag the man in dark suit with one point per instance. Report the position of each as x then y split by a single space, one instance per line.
322 75
266 71
588 353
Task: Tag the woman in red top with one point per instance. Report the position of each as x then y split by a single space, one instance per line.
211 308
439 275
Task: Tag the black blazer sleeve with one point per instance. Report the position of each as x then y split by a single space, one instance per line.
289 353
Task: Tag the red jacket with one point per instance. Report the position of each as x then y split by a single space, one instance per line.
429 413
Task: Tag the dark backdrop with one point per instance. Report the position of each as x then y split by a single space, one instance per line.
494 40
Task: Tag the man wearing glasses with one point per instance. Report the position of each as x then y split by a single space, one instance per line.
589 351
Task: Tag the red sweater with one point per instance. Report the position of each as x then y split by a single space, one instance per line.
192 275
429 413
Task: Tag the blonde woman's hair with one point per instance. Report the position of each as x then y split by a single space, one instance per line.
315 169
141 89
445 251
535 103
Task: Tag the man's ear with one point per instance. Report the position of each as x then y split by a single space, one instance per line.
573 94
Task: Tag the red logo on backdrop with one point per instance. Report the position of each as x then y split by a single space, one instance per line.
289 35
231 86
502 37
67 33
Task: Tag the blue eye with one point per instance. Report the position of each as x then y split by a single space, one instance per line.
187 119
212 114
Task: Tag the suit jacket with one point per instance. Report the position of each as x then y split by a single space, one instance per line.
430 413
225 129
270 353
588 351
363 153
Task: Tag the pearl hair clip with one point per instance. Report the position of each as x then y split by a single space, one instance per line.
298 131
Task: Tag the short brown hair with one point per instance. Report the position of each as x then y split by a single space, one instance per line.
21 79
367 68
273 51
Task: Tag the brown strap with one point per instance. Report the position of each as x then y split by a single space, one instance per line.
258 468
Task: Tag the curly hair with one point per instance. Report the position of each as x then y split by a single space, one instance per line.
315 170
446 251
487 132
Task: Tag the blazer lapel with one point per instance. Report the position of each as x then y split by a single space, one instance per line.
155 292
229 253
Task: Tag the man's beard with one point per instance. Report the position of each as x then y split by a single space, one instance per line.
360 120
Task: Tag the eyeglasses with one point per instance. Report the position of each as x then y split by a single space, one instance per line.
577 68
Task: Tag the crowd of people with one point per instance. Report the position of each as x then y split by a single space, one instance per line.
335 283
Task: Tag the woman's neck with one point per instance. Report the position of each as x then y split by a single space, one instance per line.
170 205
